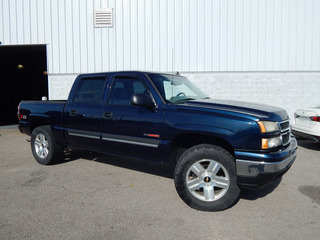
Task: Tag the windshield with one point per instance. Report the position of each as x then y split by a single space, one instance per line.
175 89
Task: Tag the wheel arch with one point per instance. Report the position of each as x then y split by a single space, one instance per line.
37 120
37 123
183 142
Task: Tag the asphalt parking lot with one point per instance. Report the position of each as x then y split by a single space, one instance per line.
95 196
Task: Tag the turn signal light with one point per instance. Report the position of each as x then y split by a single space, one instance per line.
316 119
264 143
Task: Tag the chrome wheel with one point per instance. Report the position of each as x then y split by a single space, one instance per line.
207 180
41 145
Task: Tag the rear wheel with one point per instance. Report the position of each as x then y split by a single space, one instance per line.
205 178
44 148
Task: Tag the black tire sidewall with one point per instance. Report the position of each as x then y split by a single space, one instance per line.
55 150
218 154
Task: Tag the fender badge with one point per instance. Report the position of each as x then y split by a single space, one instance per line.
151 135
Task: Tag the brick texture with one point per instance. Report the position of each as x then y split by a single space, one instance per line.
286 90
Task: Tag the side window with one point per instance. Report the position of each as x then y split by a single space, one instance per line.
122 90
89 91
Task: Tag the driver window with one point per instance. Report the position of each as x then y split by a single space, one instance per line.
122 90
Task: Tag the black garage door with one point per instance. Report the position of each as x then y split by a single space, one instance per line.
23 70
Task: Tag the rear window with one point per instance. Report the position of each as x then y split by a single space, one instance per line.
89 90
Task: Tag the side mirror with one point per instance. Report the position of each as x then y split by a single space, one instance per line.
142 100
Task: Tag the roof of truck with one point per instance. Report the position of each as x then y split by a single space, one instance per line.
124 72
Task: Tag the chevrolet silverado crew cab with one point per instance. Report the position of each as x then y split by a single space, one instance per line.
216 147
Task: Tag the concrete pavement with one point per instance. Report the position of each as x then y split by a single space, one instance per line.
95 196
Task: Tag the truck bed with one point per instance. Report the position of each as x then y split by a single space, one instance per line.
47 112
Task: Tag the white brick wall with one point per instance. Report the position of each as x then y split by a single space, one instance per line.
59 86
287 90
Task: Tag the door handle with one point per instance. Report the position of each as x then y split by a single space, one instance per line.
107 115
73 113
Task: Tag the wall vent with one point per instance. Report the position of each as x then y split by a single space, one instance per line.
103 18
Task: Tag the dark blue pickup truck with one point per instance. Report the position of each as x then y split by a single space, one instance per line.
215 146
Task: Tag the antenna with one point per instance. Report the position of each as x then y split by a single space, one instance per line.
172 71
173 67
173 64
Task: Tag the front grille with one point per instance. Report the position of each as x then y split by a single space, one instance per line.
284 126
285 137
285 132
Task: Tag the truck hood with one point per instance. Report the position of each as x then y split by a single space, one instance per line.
260 111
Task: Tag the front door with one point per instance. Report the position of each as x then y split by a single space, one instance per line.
127 129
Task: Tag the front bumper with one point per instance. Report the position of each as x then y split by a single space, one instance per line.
255 170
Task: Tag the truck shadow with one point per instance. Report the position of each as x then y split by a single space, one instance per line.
256 194
154 169
129 163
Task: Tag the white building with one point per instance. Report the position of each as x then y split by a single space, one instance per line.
265 51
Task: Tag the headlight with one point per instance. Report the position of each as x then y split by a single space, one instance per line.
268 126
270 142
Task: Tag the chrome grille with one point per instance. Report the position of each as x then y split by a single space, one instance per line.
285 137
284 126
285 132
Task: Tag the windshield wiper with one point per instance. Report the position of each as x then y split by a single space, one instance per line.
184 99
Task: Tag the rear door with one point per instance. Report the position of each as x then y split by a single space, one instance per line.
82 115
127 129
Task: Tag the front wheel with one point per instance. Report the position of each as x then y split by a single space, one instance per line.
44 148
205 178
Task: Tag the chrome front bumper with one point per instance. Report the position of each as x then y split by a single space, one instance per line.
255 170
251 169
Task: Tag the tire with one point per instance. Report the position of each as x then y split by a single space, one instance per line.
205 178
44 148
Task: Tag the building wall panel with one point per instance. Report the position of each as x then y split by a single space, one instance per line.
230 48
169 35
5 38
